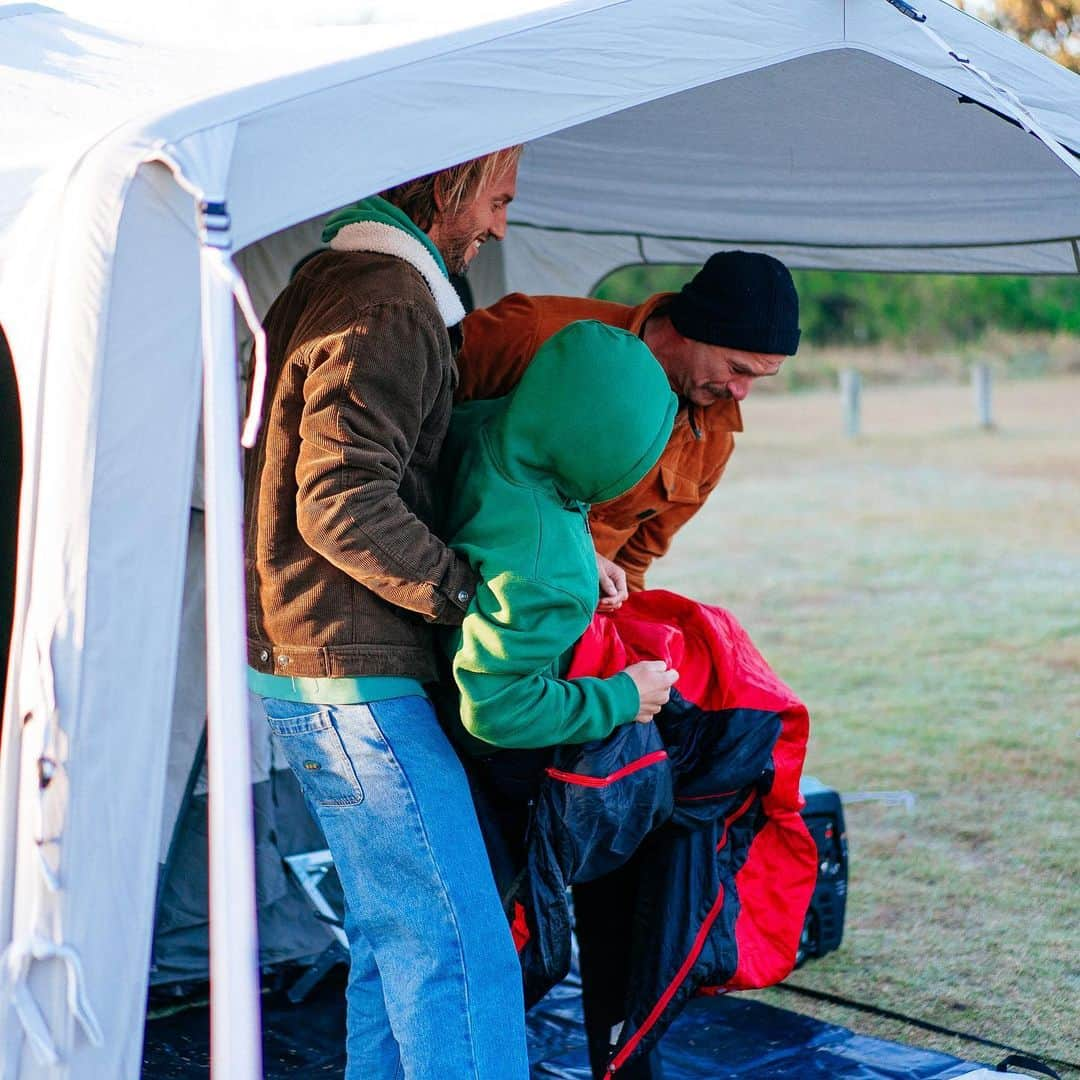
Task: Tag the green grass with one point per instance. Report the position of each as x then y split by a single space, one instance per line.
920 589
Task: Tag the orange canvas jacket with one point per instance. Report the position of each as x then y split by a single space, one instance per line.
499 343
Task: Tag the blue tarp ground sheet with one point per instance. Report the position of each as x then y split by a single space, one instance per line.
722 1038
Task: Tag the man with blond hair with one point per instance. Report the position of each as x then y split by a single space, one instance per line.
346 582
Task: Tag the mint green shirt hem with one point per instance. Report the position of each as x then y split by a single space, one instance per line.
356 690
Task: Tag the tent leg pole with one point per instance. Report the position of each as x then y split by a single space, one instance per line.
235 1025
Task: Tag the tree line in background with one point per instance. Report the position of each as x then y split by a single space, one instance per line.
1051 26
921 310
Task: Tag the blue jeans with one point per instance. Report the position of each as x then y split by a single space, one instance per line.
434 983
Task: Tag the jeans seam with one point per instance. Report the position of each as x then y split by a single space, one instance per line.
446 894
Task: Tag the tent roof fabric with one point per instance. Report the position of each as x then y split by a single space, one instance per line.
827 125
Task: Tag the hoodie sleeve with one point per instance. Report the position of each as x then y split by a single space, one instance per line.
505 667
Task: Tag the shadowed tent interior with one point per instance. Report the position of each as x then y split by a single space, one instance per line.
840 135
10 475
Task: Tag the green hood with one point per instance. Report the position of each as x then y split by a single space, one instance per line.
593 412
590 416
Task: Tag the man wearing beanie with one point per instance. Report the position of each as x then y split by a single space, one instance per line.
734 322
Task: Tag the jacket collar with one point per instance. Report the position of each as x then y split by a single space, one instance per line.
377 226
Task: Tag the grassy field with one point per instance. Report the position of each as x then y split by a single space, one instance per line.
920 589
1009 355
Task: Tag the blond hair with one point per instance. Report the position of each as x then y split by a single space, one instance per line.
453 185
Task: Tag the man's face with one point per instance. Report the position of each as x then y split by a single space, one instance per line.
458 236
704 374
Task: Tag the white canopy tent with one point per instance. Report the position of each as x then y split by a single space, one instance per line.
830 133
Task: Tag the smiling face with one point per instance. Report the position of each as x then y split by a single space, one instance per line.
482 217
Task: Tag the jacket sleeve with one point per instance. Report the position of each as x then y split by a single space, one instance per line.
367 395
504 667
499 344
649 541
652 538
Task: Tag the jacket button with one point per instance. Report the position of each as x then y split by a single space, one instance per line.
283 661
462 597
264 655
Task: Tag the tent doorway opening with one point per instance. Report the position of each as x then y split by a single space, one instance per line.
10 480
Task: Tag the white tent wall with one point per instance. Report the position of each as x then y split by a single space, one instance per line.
109 581
793 73
954 188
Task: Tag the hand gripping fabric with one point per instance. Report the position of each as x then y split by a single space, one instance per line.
728 873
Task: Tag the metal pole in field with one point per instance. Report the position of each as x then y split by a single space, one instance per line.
850 395
981 384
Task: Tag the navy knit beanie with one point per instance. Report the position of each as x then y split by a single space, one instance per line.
741 300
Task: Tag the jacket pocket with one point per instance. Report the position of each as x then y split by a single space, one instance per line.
317 756
679 488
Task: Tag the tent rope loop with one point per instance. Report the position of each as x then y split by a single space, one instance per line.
215 235
220 264
14 970
258 378
48 874
49 763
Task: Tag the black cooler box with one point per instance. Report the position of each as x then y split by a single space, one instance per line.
824 817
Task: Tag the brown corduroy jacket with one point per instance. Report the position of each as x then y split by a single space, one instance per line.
499 343
344 576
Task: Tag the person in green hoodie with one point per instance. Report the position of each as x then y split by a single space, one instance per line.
591 415
526 469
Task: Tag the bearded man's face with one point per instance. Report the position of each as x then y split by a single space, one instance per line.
459 236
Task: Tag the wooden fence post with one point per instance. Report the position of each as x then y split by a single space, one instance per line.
981 384
850 394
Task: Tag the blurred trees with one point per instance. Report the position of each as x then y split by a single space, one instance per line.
930 309
923 310
1051 26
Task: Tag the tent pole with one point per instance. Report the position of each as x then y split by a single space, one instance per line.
235 1025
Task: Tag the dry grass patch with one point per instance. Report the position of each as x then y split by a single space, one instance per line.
1009 356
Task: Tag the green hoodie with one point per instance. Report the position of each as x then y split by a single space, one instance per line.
590 417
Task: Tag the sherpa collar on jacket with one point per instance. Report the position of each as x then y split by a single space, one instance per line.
375 225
